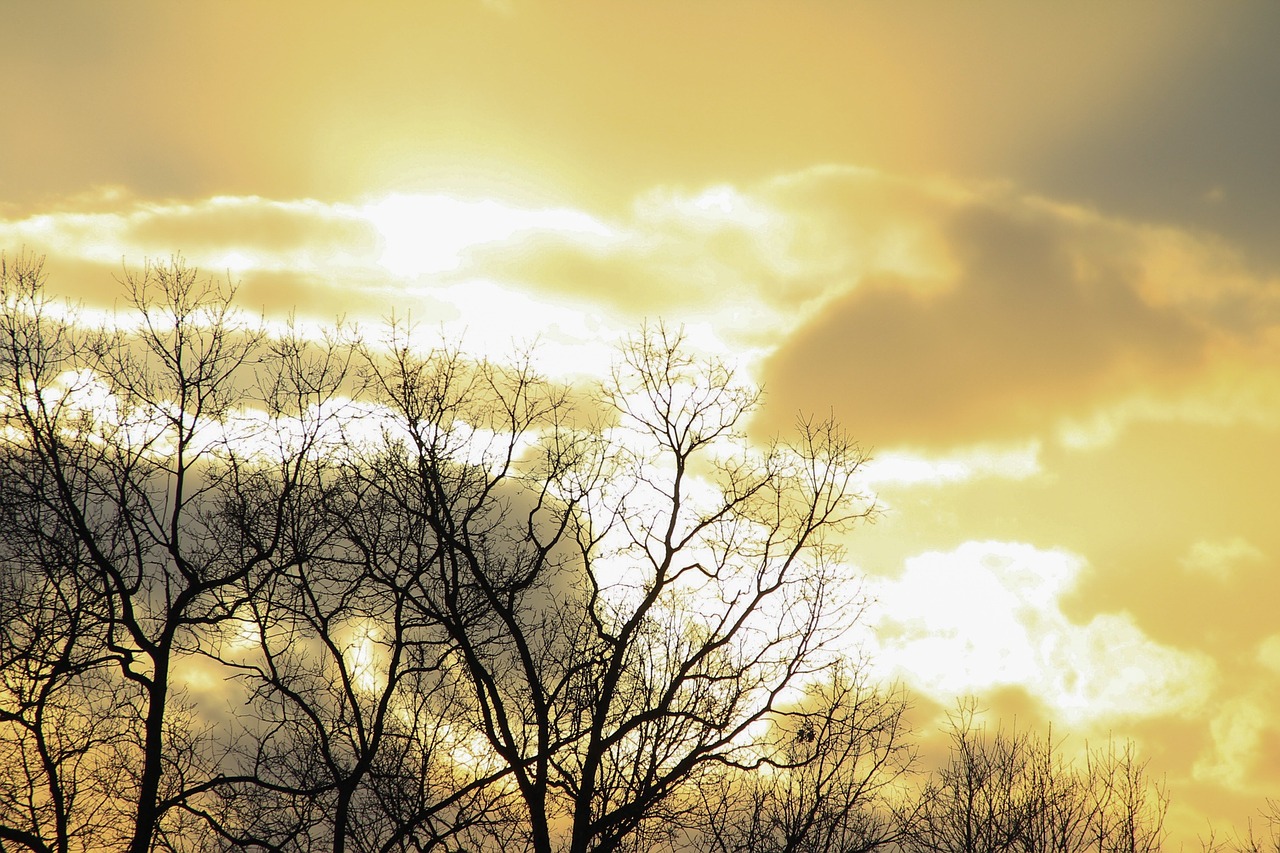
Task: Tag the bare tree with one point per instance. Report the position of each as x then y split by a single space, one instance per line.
1252 839
975 802
836 764
60 711
1014 790
121 473
468 606
624 603
1060 803
354 711
1129 806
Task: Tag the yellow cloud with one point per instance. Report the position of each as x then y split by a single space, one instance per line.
1236 730
1268 653
429 233
1033 317
239 233
1219 559
923 313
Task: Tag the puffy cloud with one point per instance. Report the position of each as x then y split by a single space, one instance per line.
929 312
399 237
688 257
755 261
1046 311
394 255
430 233
988 615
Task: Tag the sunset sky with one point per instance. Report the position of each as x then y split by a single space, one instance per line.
1027 253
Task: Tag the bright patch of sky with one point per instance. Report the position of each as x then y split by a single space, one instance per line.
430 233
989 615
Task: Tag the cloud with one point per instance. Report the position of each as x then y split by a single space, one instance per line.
1045 312
1269 653
1219 559
398 237
1244 741
218 233
685 257
929 314
324 260
756 261
988 615
424 234
904 468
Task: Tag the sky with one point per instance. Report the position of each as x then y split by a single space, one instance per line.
1026 253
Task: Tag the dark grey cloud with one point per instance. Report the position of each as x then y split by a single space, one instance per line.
1198 151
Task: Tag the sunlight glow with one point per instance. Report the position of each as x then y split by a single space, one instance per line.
562 339
363 659
430 233
1012 630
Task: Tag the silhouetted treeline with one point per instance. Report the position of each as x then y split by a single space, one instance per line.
260 591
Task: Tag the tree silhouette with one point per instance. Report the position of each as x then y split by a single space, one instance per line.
615 633
1253 839
836 764
452 605
1011 790
122 478
451 600
361 715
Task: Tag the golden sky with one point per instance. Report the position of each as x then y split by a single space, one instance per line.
1027 252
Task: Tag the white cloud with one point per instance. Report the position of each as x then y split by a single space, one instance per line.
370 260
493 318
1226 393
905 468
989 615
405 234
